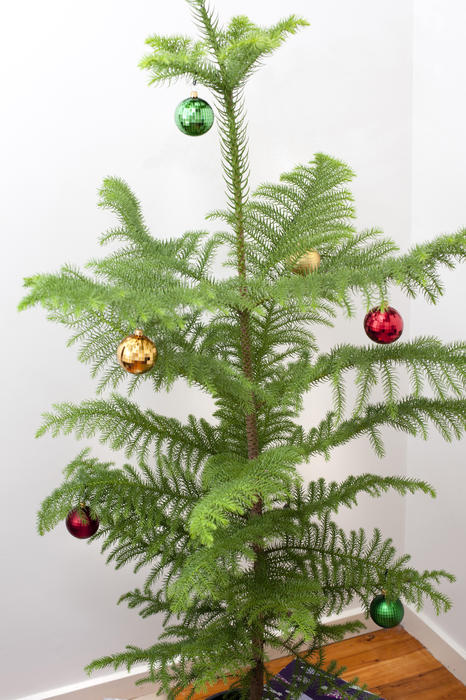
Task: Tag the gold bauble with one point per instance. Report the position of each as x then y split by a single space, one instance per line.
136 353
309 262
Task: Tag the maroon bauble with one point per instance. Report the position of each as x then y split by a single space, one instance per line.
79 523
383 326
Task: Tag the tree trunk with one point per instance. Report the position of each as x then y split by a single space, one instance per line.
257 679
237 174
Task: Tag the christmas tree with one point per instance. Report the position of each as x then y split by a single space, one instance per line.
241 556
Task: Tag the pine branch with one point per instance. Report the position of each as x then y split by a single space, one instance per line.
244 45
150 604
192 658
121 424
242 482
190 255
72 289
356 565
321 498
416 272
177 56
410 415
312 210
443 366
143 514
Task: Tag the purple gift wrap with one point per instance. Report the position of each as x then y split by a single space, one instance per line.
316 689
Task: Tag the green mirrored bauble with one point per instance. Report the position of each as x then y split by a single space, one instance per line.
194 116
386 613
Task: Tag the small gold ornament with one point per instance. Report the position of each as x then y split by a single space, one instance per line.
309 262
136 353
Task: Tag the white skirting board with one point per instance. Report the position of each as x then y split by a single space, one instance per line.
112 686
440 645
121 685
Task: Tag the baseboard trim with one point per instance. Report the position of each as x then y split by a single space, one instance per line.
440 644
120 684
123 684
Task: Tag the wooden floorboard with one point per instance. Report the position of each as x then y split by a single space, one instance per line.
393 664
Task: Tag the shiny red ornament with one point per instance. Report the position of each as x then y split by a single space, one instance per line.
79 523
383 326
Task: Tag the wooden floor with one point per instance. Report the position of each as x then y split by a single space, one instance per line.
392 664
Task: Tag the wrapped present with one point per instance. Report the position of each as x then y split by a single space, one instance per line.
314 685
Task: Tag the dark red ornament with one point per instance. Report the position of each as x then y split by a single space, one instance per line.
79 523
383 326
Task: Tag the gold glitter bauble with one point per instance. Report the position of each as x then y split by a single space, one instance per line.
309 262
137 353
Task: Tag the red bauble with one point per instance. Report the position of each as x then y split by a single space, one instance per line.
383 326
79 523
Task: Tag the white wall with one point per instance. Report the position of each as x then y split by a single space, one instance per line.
76 108
439 205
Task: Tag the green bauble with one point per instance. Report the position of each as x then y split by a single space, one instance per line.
386 613
194 116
